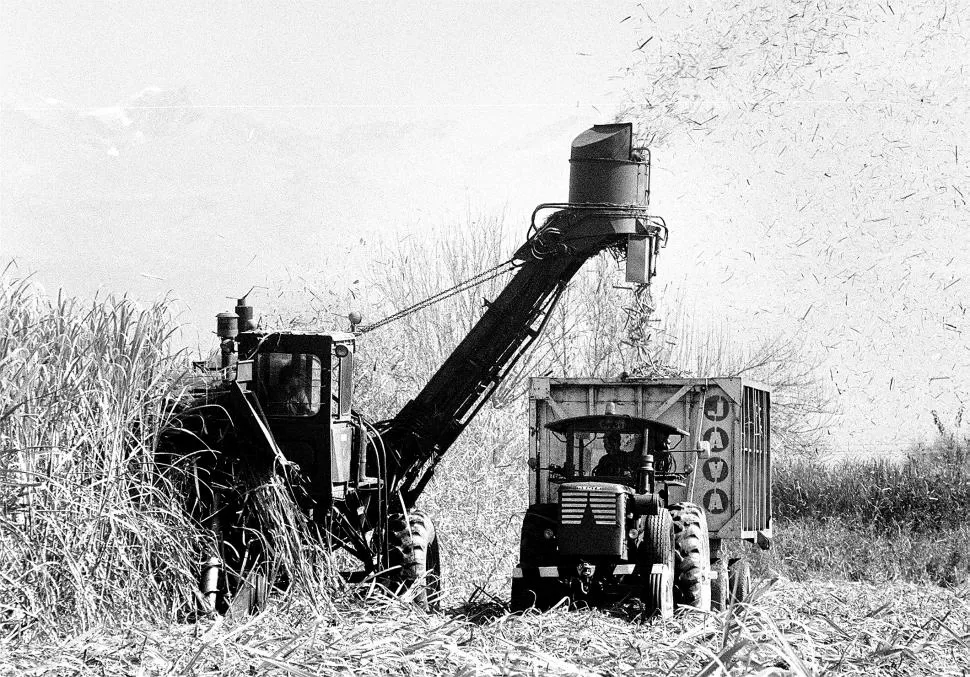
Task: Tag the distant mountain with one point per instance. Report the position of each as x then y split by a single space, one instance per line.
161 193
159 187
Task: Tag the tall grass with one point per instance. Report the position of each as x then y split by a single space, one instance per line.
838 549
88 529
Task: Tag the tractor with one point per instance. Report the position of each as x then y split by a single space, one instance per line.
621 506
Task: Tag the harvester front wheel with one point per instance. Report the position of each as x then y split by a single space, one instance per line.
692 581
655 559
414 561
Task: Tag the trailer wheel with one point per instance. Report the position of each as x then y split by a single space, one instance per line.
655 560
739 574
414 558
720 585
536 550
692 582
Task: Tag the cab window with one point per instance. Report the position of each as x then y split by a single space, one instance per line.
599 453
288 384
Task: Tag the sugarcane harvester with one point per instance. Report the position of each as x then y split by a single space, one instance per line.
284 400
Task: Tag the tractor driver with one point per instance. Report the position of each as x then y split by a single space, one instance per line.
616 462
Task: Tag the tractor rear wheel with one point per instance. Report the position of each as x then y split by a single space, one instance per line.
414 558
692 582
655 560
739 573
535 550
720 585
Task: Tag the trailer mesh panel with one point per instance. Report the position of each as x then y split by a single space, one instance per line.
755 460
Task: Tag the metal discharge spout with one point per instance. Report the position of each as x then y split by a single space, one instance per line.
607 172
605 169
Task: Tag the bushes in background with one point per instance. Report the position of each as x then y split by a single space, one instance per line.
877 519
929 490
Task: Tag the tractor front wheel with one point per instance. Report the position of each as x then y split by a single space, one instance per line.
536 550
522 596
655 559
414 560
541 595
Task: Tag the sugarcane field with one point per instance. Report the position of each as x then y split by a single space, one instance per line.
484 338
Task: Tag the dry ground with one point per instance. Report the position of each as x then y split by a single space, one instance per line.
792 628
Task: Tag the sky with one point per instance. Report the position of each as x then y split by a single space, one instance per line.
359 55
806 156
373 117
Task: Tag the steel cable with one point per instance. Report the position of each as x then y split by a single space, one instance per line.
465 285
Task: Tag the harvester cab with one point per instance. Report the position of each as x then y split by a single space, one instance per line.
294 392
304 383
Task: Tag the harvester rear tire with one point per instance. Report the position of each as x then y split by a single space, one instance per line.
720 585
535 550
692 581
739 574
414 558
655 560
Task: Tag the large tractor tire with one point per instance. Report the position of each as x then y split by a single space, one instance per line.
720 585
692 581
414 560
655 560
739 574
536 550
